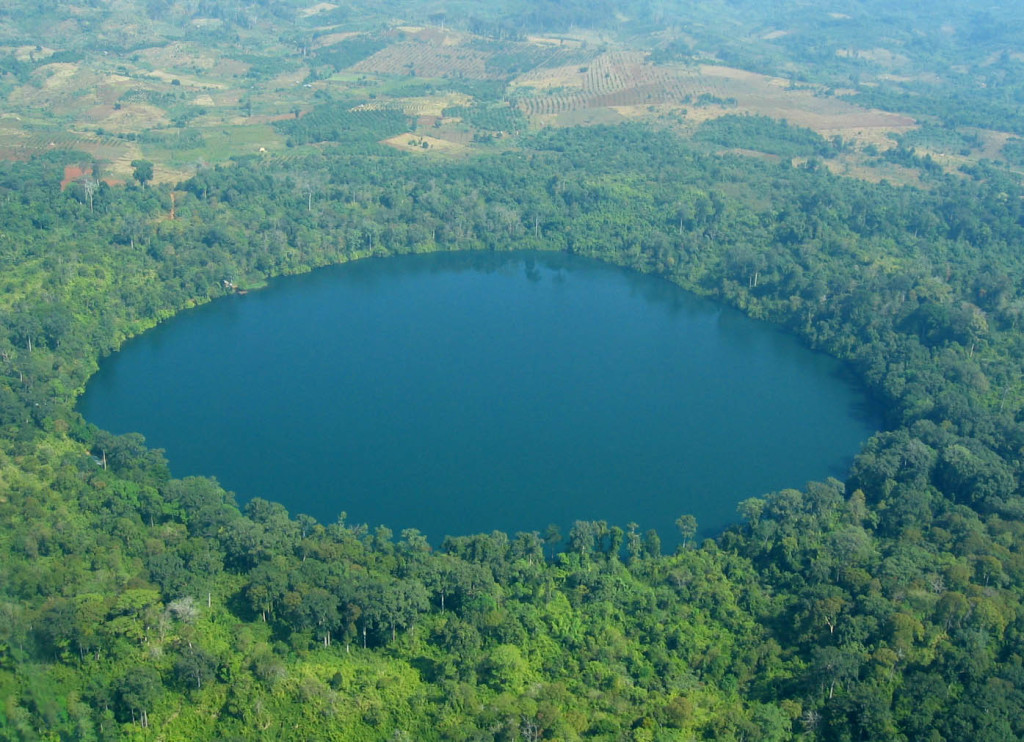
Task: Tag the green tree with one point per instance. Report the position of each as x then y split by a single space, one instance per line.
687 525
136 693
142 171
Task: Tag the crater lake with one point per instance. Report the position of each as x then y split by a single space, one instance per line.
459 393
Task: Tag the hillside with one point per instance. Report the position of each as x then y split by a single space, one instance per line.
189 85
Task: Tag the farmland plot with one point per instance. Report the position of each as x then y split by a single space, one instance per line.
17 144
432 106
427 59
509 59
626 80
610 80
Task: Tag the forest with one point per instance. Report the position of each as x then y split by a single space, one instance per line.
877 608
886 606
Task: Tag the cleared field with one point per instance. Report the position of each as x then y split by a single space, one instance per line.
425 144
183 54
628 83
427 59
316 9
116 154
334 38
606 73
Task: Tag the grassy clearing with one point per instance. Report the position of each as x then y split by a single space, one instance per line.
222 144
420 144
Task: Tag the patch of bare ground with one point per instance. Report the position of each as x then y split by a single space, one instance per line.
107 149
992 142
112 88
185 80
432 35
640 112
881 137
179 54
416 142
64 90
73 173
427 59
171 173
454 134
950 163
926 77
587 117
226 98
605 73
317 9
28 53
229 68
330 39
752 153
55 76
135 117
872 170
556 41
268 118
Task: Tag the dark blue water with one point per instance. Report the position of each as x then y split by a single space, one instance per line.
461 393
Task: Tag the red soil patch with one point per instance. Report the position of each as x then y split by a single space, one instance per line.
74 172
71 174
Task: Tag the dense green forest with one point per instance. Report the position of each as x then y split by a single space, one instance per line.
889 606
885 607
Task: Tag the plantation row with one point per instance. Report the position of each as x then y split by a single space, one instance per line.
513 59
679 92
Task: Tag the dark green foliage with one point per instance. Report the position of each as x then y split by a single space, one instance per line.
1013 151
941 139
765 135
136 692
341 123
262 67
346 53
142 171
962 108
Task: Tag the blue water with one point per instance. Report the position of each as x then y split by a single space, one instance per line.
468 392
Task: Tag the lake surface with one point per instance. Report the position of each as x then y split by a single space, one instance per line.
459 393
